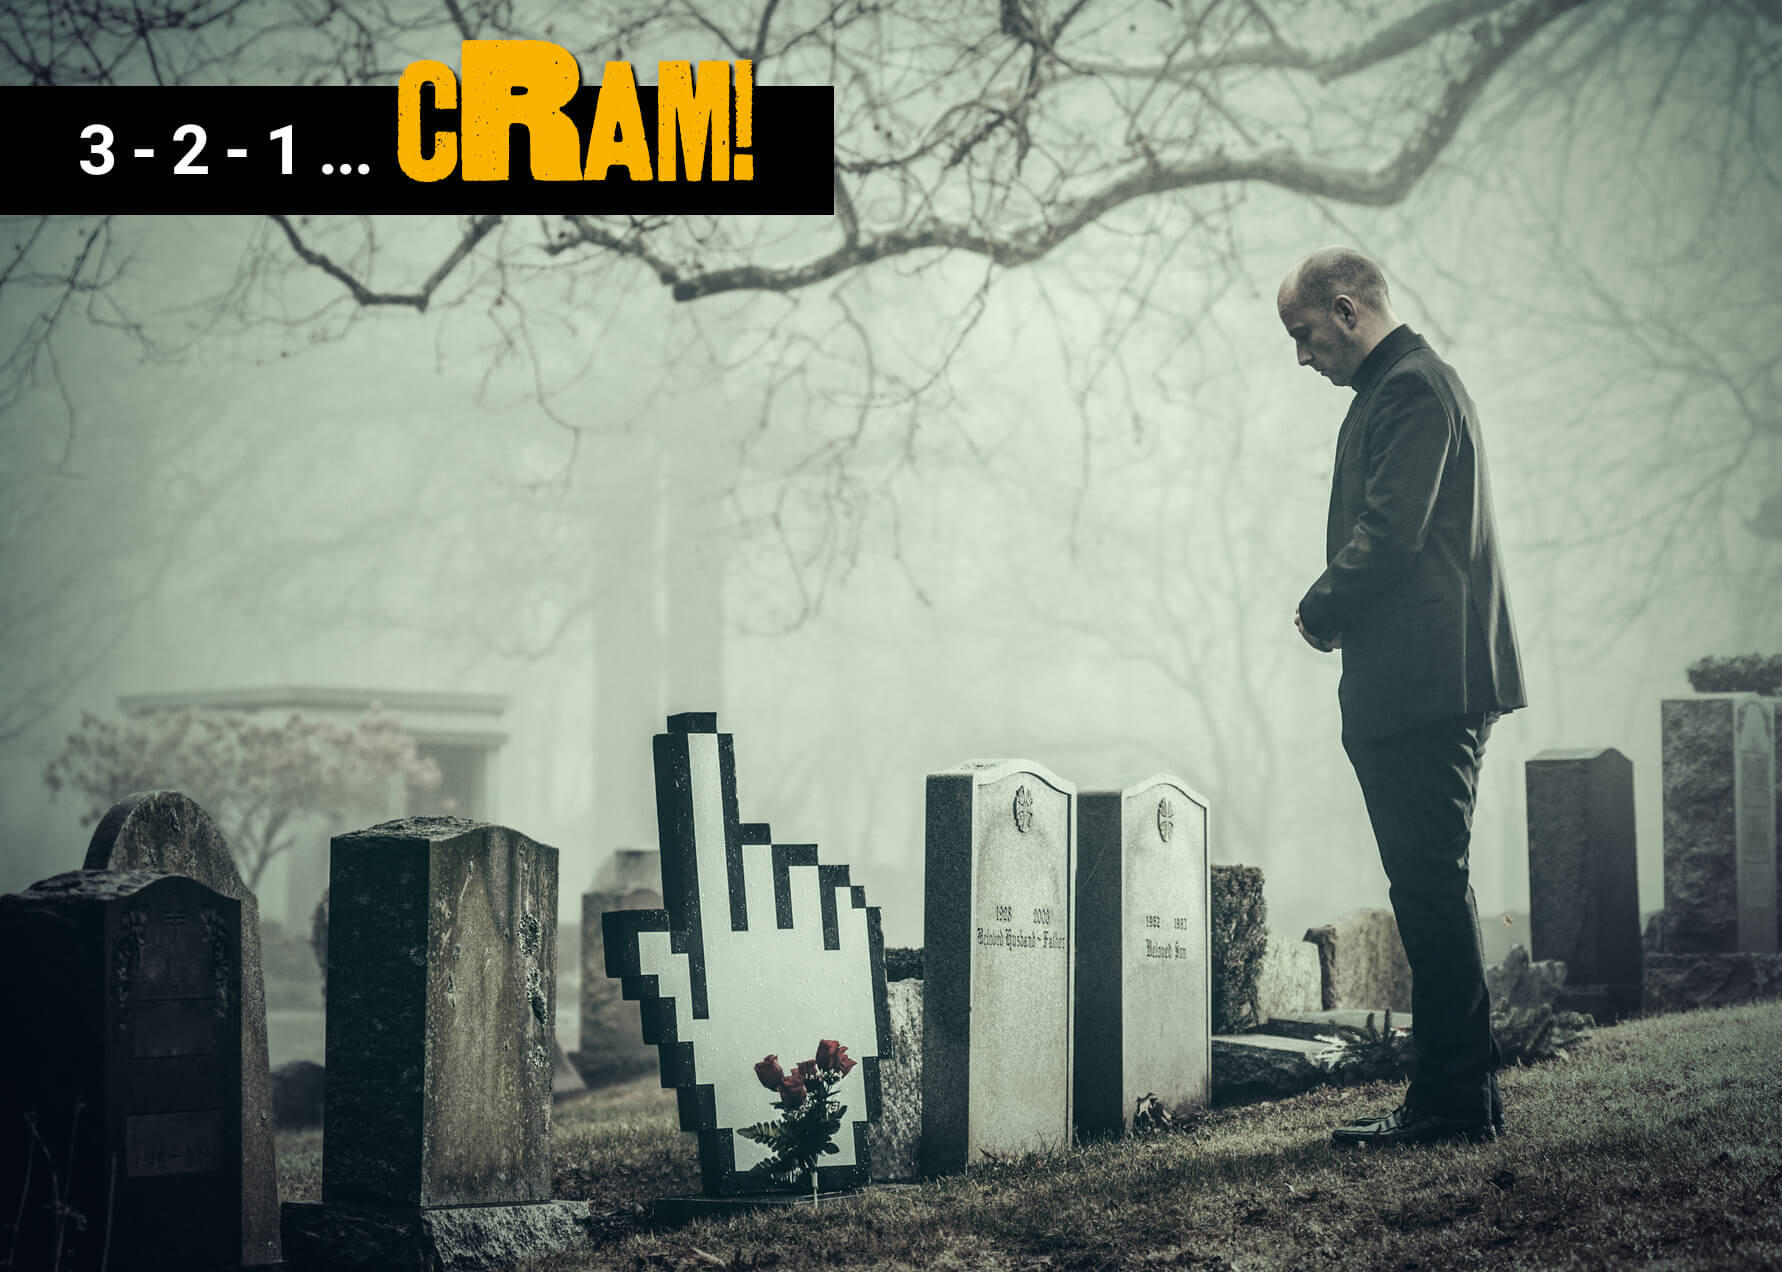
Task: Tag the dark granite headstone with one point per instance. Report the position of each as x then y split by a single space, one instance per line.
999 945
759 950
1720 861
120 1090
165 831
610 1043
1143 988
1583 873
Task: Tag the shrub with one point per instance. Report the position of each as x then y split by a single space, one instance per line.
1239 940
903 963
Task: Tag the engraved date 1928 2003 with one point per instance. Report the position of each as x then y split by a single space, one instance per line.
1039 935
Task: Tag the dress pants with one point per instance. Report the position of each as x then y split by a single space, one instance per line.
1420 786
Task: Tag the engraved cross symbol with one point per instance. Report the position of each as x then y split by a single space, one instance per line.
1166 818
1023 809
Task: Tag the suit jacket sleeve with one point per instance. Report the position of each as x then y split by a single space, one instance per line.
1409 438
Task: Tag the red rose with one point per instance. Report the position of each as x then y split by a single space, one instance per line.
768 1071
808 1069
792 1090
833 1055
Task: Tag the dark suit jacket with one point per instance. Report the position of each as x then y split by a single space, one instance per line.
1415 585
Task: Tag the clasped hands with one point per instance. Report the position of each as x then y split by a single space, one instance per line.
1322 646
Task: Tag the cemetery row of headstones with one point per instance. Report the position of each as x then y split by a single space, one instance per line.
1716 940
1051 918
135 1124
440 1011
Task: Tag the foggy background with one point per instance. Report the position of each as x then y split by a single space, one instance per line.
931 507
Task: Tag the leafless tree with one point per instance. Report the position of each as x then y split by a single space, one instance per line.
1094 139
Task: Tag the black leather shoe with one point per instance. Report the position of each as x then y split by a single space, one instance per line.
1497 1115
1406 1125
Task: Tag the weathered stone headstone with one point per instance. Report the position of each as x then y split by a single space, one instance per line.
1344 1025
441 971
1291 981
611 1046
1720 865
1363 962
1583 874
124 1012
1680 982
1143 985
166 832
441 975
896 1138
1261 1066
999 945
565 1081
759 950
1775 705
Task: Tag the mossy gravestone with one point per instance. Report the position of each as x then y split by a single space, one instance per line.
1720 862
167 832
441 974
120 1084
997 1001
1143 990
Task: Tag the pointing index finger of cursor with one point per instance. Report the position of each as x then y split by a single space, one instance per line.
760 949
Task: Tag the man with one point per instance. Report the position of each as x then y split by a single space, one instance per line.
1414 597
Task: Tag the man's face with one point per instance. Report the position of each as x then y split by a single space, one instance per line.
1324 338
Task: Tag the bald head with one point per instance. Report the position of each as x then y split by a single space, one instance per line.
1335 305
1338 271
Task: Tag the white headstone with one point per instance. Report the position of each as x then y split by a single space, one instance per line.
1144 990
999 936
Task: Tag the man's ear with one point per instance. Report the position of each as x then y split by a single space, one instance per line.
1346 312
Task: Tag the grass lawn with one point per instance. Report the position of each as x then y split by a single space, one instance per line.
1657 1144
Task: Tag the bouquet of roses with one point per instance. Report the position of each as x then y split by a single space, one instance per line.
810 1114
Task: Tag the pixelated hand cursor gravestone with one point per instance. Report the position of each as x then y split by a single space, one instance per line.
760 950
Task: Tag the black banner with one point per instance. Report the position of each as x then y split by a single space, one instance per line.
322 149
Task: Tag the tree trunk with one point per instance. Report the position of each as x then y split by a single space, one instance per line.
695 551
627 643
